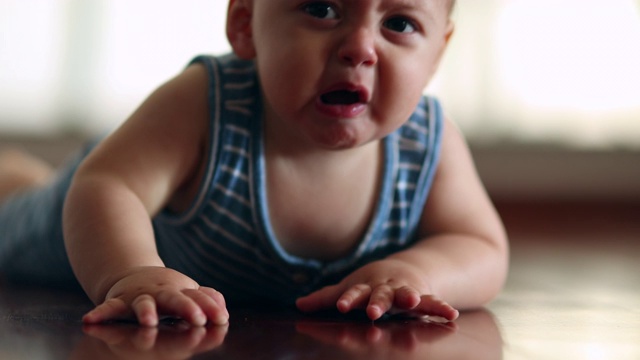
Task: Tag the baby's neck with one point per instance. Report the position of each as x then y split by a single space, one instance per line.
323 161
321 204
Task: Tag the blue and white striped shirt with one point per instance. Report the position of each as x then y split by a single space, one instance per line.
225 240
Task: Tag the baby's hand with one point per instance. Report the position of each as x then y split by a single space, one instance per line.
380 287
149 292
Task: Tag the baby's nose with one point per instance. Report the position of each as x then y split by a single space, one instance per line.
358 48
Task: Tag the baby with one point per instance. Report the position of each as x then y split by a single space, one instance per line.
304 169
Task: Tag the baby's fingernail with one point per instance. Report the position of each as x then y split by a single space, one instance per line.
374 312
148 321
91 317
343 305
200 319
221 319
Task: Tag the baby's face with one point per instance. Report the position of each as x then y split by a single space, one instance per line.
338 74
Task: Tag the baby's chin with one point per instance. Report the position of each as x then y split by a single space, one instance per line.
344 137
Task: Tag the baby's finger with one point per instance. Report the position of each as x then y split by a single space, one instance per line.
109 310
432 306
380 302
145 309
355 297
324 298
211 308
215 295
176 303
406 298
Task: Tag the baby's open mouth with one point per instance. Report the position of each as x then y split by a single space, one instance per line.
341 97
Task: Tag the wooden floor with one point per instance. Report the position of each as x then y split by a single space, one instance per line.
573 293
574 286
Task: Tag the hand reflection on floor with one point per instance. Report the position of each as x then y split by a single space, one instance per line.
474 335
276 335
166 342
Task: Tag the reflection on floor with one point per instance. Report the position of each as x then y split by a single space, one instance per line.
574 286
572 293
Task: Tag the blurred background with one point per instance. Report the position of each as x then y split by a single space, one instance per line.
547 92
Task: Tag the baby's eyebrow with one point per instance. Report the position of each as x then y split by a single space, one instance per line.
424 7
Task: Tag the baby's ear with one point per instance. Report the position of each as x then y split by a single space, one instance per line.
239 31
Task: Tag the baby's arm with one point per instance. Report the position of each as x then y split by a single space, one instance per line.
134 173
460 263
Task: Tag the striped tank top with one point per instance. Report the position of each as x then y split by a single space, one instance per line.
225 240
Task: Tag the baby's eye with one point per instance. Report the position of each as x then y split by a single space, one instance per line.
400 24
320 10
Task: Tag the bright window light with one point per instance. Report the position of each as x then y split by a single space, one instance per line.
541 71
30 53
571 55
